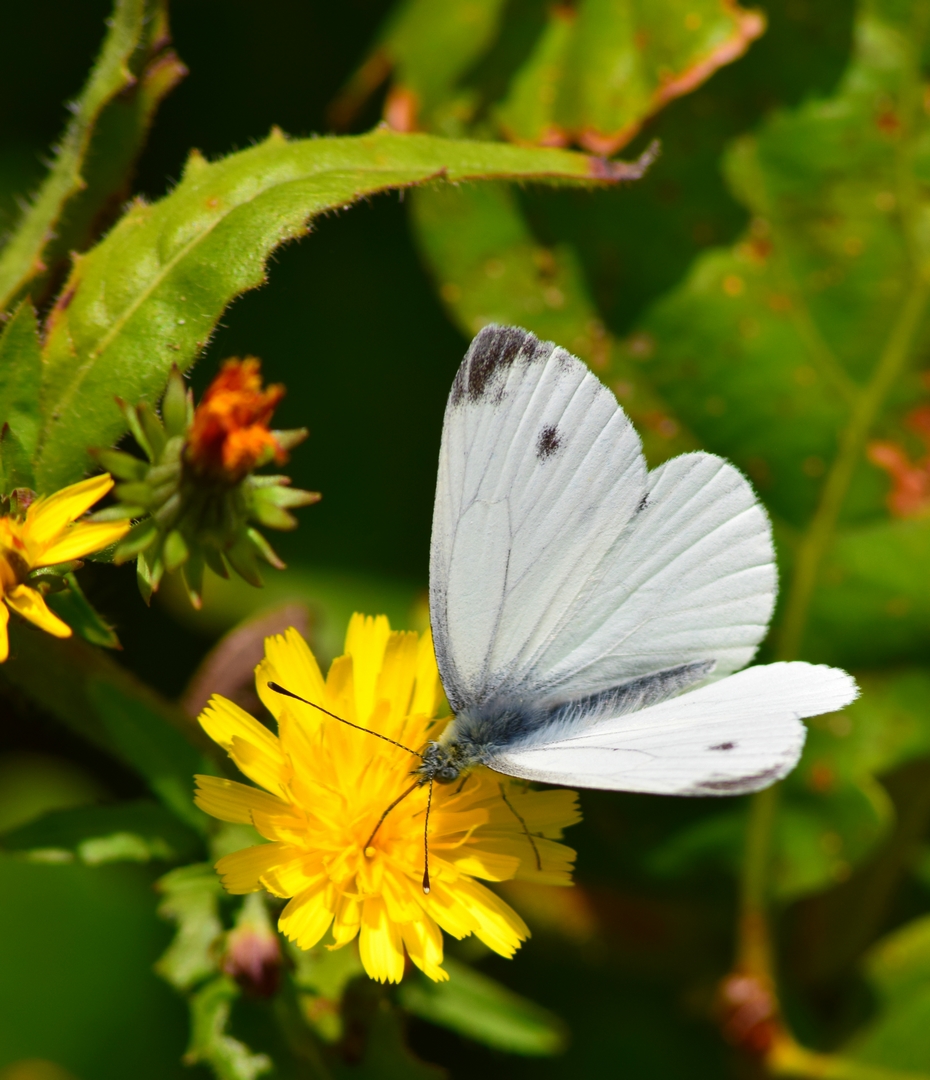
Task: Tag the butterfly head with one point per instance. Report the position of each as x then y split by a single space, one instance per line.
444 762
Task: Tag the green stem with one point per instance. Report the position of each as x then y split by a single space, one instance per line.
789 1059
817 539
755 950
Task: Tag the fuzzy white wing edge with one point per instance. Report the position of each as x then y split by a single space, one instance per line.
731 737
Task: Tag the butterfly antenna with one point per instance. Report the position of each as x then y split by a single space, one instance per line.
429 803
358 727
400 798
529 835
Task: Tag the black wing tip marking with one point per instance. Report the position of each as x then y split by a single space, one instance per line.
549 442
493 350
739 785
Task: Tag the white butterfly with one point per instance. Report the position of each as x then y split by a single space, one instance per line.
589 615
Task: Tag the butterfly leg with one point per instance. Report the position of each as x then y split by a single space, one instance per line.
529 835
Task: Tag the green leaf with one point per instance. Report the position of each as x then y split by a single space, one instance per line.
107 705
479 1008
601 69
898 968
133 97
158 752
77 611
430 47
20 377
191 901
489 268
149 296
135 831
210 1043
764 347
871 605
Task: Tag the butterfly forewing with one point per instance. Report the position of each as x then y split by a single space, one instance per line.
538 471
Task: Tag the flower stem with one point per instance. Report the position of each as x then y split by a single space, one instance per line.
787 1058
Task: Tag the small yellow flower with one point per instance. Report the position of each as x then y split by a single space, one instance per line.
326 785
49 534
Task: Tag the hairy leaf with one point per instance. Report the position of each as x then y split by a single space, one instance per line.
148 297
20 379
130 77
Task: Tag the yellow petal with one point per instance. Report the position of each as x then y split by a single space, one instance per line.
366 640
4 636
347 920
28 603
241 871
250 744
229 800
293 877
290 663
380 945
82 539
45 518
423 940
428 693
308 916
398 672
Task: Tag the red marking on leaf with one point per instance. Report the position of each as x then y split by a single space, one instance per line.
909 496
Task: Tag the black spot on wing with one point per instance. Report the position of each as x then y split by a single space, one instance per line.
643 503
723 746
548 443
738 785
491 353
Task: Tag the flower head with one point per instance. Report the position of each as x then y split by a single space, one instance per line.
47 534
324 786
229 435
196 498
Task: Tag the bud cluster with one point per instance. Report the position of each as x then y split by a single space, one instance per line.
196 499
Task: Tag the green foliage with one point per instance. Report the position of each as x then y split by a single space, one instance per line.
108 706
210 1043
898 970
147 298
598 71
128 831
111 117
786 347
191 901
590 74
20 379
479 1008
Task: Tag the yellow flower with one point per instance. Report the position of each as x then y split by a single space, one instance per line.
49 534
326 785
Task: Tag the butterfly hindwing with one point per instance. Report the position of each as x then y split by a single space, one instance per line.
730 737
